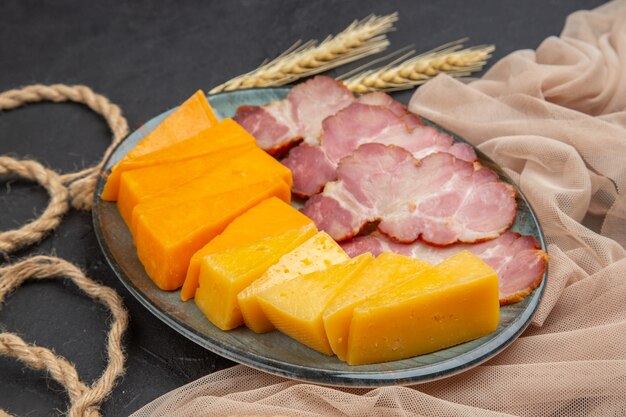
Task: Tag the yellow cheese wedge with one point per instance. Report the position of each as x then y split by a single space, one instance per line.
269 218
190 118
141 183
224 274
388 269
295 307
168 236
252 165
454 302
317 253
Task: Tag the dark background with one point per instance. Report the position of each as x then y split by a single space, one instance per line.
147 56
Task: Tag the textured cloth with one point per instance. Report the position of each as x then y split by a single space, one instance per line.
555 118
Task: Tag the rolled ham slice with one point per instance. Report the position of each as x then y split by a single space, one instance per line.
280 125
440 198
517 259
360 123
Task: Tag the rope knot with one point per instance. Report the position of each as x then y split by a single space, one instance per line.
79 186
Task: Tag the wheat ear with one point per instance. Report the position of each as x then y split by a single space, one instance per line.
406 73
360 39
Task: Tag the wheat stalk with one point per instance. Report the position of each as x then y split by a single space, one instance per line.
360 39
406 73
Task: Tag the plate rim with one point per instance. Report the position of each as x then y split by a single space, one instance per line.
365 379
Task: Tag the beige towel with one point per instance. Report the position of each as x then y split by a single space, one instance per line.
555 118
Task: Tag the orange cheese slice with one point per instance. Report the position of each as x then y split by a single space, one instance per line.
295 307
189 119
454 302
252 165
139 184
387 270
269 218
166 237
224 274
225 135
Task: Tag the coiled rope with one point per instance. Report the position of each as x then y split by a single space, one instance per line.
78 188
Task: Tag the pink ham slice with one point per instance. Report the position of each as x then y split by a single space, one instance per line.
440 198
517 259
412 121
310 168
272 126
315 100
379 98
357 124
282 124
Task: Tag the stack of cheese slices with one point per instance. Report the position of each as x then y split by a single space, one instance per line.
209 212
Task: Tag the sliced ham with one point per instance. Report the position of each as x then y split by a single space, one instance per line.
379 98
310 169
412 120
362 123
517 259
315 100
272 126
282 124
440 198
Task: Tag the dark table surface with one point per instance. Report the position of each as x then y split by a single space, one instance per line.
147 56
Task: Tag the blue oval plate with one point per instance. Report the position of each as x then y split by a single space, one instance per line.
275 352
